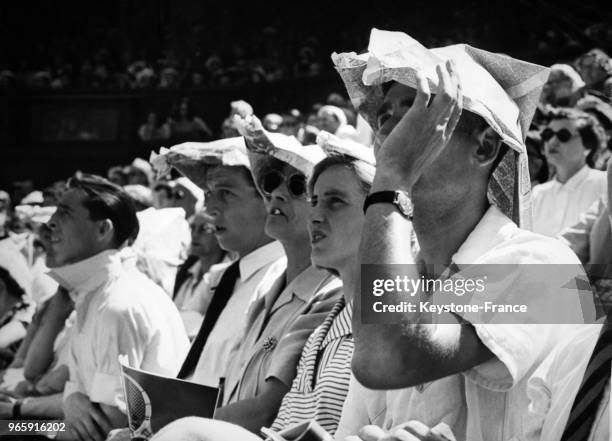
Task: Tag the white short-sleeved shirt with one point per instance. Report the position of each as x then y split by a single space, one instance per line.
553 387
430 404
556 206
119 311
496 391
258 271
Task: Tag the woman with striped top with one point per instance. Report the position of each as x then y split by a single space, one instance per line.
338 187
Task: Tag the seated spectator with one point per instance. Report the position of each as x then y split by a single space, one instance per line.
162 194
569 137
239 215
272 122
188 196
118 310
333 120
564 87
206 259
16 307
570 390
444 180
601 110
186 126
154 129
139 172
595 68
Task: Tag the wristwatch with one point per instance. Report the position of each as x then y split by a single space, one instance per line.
398 198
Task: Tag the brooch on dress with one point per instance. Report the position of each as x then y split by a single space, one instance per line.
269 344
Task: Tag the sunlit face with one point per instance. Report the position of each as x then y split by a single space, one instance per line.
446 176
287 211
236 209
203 240
564 154
328 121
336 218
71 235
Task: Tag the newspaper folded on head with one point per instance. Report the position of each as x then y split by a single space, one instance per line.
193 158
331 144
282 147
502 90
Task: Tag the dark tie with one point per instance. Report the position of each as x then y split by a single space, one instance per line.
222 294
591 391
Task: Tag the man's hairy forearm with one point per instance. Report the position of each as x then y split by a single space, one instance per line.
379 348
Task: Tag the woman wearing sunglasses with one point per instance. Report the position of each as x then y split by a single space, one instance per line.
279 322
570 138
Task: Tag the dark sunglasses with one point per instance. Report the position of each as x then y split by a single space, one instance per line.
562 135
272 179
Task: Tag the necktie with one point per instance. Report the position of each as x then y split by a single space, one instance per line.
222 294
591 391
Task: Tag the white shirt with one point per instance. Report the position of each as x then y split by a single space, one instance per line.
556 206
430 404
496 391
195 294
258 271
119 311
554 386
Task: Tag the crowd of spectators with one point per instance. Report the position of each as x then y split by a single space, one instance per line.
253 254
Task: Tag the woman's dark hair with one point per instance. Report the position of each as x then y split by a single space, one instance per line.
364 172
589 128
12 286
106 200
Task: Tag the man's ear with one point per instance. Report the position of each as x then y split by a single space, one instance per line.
488 146
106 231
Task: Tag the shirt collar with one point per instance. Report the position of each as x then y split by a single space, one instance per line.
309 282
195 268
88 274
577 179
259 258
492 229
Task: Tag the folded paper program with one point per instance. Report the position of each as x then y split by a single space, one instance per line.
282 147
502 90
230 151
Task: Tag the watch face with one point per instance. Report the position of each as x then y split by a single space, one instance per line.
404 203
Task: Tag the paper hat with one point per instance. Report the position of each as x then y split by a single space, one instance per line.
502 90
193 159
282 147
331 145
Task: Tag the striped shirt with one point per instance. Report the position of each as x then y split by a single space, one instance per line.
321 384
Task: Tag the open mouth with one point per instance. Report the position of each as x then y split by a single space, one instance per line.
317 236
219 229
